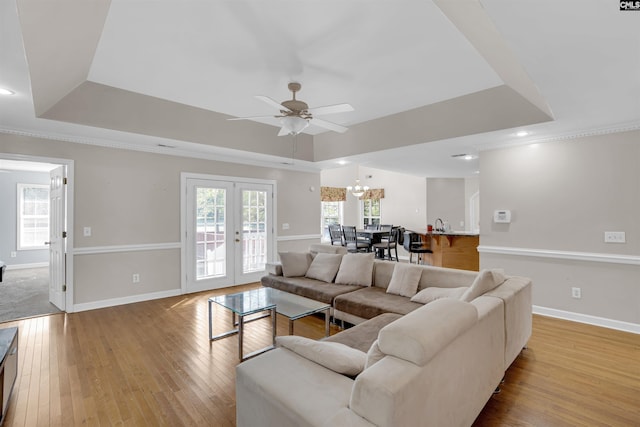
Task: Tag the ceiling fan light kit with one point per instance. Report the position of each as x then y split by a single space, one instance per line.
295 115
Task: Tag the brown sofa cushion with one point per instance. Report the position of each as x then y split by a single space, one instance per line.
370 302
362 336
309 288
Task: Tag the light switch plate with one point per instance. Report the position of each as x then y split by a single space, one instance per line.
87 232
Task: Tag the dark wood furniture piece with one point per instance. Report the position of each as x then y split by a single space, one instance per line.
352 242
3 267
386 245
8 366
335 231
415 244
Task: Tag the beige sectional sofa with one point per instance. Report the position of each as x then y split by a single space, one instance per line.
404 363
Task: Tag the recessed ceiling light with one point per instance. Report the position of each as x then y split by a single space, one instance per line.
522 133
4 91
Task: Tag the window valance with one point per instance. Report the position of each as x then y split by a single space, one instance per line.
374 193
333 194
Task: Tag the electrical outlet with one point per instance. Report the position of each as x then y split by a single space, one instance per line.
614 237
14 254
135 278
285 226
87 232
576 293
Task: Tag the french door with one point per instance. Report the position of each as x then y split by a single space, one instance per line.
229 232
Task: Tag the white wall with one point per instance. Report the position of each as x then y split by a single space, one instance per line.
563 196
404 200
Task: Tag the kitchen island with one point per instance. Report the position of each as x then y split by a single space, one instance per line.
453 250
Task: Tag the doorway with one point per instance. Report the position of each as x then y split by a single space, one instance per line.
37 216
228 234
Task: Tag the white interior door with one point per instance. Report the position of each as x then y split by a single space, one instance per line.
228 232
57 252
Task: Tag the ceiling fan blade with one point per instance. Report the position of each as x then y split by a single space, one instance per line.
283 131
328 125
331 109
251 118
273 103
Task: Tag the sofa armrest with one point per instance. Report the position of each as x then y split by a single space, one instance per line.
274 268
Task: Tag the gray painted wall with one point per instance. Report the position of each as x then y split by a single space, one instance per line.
563 196
9 218
133 198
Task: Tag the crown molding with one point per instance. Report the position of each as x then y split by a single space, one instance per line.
165 147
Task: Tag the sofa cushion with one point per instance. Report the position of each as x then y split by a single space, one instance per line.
443 277
404 280
433 293
374 355
421 334
315 249
362 336
370 302
356 269
324 267
486 281
295 264
310 288
332 355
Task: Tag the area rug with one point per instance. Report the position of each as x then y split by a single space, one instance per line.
25 293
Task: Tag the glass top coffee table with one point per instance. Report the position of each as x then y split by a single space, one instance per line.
262 300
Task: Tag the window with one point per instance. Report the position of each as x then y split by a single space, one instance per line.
331 214
371 211
33 216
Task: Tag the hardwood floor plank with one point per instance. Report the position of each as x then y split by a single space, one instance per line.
151 363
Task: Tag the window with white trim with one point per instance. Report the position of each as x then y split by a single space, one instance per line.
332 213
370 212
33 216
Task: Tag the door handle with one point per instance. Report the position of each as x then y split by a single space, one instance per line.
47 243
238 240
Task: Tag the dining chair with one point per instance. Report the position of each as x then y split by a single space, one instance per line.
335 232
371 227
391 243
351 240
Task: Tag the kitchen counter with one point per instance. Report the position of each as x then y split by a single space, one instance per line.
453 249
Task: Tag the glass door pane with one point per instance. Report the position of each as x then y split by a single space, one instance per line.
210 234
254 230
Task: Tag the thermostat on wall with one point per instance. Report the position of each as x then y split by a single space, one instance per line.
503 216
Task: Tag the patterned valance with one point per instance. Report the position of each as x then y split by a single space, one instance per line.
333 194
374 193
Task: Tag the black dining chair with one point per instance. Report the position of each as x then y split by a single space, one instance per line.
391 243
351 240
414 245
335 232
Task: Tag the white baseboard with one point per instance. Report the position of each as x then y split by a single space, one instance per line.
26 266
125 300
588 319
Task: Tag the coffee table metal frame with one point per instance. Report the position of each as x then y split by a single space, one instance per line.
261 300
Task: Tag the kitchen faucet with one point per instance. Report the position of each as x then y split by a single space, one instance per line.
441 228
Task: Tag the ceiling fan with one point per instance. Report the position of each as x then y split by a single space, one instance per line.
295 115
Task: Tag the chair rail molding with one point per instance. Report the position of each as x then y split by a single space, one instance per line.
126 248
569 255
298 237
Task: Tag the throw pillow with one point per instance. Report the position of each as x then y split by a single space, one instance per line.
405 280
433 293
485 281
294 264
356 269
332 355
374 355
324 267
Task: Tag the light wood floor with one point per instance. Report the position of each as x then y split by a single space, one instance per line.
151 363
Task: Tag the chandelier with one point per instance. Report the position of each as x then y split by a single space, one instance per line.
357 190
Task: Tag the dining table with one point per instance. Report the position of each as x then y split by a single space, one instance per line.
373 236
